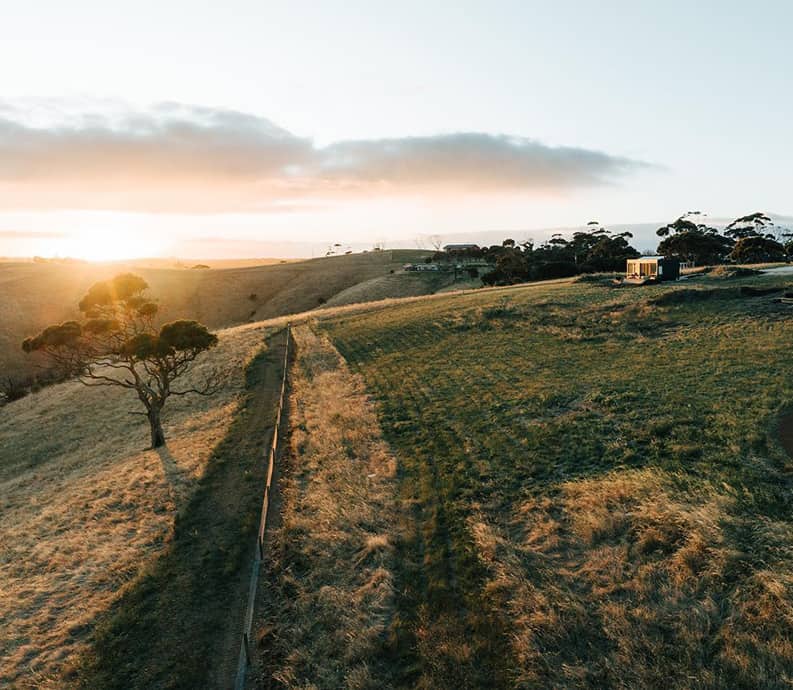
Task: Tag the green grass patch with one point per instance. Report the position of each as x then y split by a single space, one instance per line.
593 491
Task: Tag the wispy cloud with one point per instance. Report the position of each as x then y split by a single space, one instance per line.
174 157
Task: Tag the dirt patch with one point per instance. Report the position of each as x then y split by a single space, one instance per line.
732 272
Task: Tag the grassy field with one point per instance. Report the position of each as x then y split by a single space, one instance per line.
36 295
90 522
552 485
593 491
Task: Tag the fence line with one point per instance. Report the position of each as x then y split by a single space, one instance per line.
244 659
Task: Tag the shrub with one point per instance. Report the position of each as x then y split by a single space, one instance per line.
13 389
598 278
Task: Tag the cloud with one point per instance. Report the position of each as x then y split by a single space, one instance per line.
181 158
471 161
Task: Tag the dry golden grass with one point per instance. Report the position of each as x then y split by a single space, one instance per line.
329 599
83 507
401 284
634 567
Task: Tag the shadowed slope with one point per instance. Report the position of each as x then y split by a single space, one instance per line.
169 629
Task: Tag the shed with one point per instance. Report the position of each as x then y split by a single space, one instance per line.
460 247
653 268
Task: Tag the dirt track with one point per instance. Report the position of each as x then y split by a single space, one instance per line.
262 418
180 625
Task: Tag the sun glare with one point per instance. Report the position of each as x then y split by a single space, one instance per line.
116 245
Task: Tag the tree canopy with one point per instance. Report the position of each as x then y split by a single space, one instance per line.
752 238
117 343
586 251
757 249
689 238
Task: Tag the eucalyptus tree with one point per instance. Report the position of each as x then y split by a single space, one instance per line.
117 342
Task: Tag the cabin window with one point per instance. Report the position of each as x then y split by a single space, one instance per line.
648 268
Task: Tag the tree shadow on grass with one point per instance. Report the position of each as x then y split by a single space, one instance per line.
179 624
174 476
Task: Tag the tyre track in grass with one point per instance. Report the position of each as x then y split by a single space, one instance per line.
785 431
447 635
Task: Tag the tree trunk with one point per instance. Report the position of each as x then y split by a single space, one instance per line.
157 434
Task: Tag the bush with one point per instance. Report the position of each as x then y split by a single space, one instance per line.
13 389
598 278
553 269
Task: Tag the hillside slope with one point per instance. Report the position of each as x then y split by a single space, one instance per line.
86 515
593 482
404 284
36 295
589 492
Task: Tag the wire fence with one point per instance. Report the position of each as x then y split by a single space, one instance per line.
245 657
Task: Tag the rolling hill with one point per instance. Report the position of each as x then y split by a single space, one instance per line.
591 492
35 295
548 485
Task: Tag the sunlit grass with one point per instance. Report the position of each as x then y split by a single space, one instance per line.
598 494
328 600
84 508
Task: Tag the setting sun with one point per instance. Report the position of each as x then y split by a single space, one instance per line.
106 245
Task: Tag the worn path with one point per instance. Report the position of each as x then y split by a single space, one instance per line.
179 626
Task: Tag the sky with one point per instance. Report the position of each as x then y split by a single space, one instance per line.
256 128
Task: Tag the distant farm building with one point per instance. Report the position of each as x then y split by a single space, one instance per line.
460 247
420 267
656 268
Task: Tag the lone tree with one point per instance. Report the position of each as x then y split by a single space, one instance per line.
117 344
